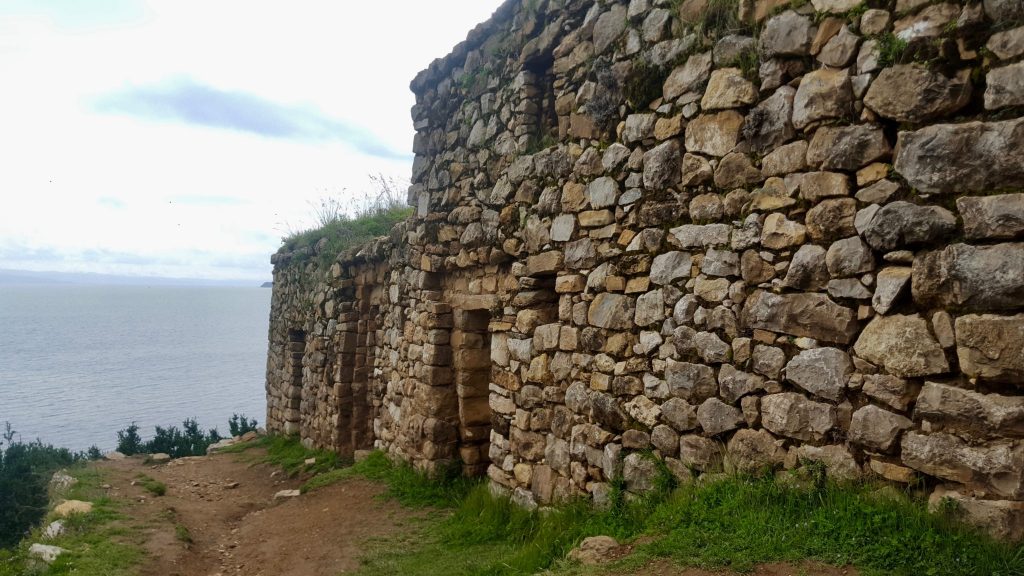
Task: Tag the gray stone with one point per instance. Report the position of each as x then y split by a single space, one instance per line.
848 288
730 48
768 360
716 417
609 27
700 453
913 93
753 452
890 283
1002 519
638 127
962 158
849 257
790 414
661 165
903 345
711 348
878 193
971 413
992 216
45 552
995 468
802 314
876 428
602 192
1004 86
701 236
769 124
1004 10
991 347
720 263
902 224
614 156
643 410
679 414
688 77
613 311
650 308
734 384
668 267
1007 44
562 228
691 382
787 34
639 471
928 23
972 278
840 49
580 254
785 159
665 439
821 371
895 392
839 463
807 270
822 95
874 21
847 147
714 134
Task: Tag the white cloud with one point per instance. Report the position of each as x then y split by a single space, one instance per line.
86 190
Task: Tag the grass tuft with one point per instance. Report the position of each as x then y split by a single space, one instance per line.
737 522
153 486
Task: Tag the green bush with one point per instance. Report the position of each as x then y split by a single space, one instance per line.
239 424
25 471
190 440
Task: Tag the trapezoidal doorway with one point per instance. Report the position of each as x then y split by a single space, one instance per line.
471 344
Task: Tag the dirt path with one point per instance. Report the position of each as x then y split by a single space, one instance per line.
226 504
219 517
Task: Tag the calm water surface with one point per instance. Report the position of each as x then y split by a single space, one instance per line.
78 363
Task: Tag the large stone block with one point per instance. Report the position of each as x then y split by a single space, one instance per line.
973 278
992 216
991 347
995 468
913 93
903 224
811 315
1003 519
958 158
970 412
823 372
903 345
613 311
790 414
692 382
876 428
754 451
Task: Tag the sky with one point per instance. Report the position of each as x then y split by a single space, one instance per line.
184 138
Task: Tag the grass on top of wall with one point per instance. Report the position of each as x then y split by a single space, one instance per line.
734 522
288 453
347 225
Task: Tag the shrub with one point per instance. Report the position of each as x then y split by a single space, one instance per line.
239 424
128 440
190 440
25 471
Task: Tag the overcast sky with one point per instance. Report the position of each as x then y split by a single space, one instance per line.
185 137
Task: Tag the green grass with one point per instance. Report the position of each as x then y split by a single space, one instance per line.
734 523
153 486
343 231
182 534
411 488
97 544
288 453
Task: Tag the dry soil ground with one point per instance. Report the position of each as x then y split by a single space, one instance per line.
226 504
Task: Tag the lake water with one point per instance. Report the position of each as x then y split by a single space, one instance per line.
78 363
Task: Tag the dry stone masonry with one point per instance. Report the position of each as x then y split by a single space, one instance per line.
742 235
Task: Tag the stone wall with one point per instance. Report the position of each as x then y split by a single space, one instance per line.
740 235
